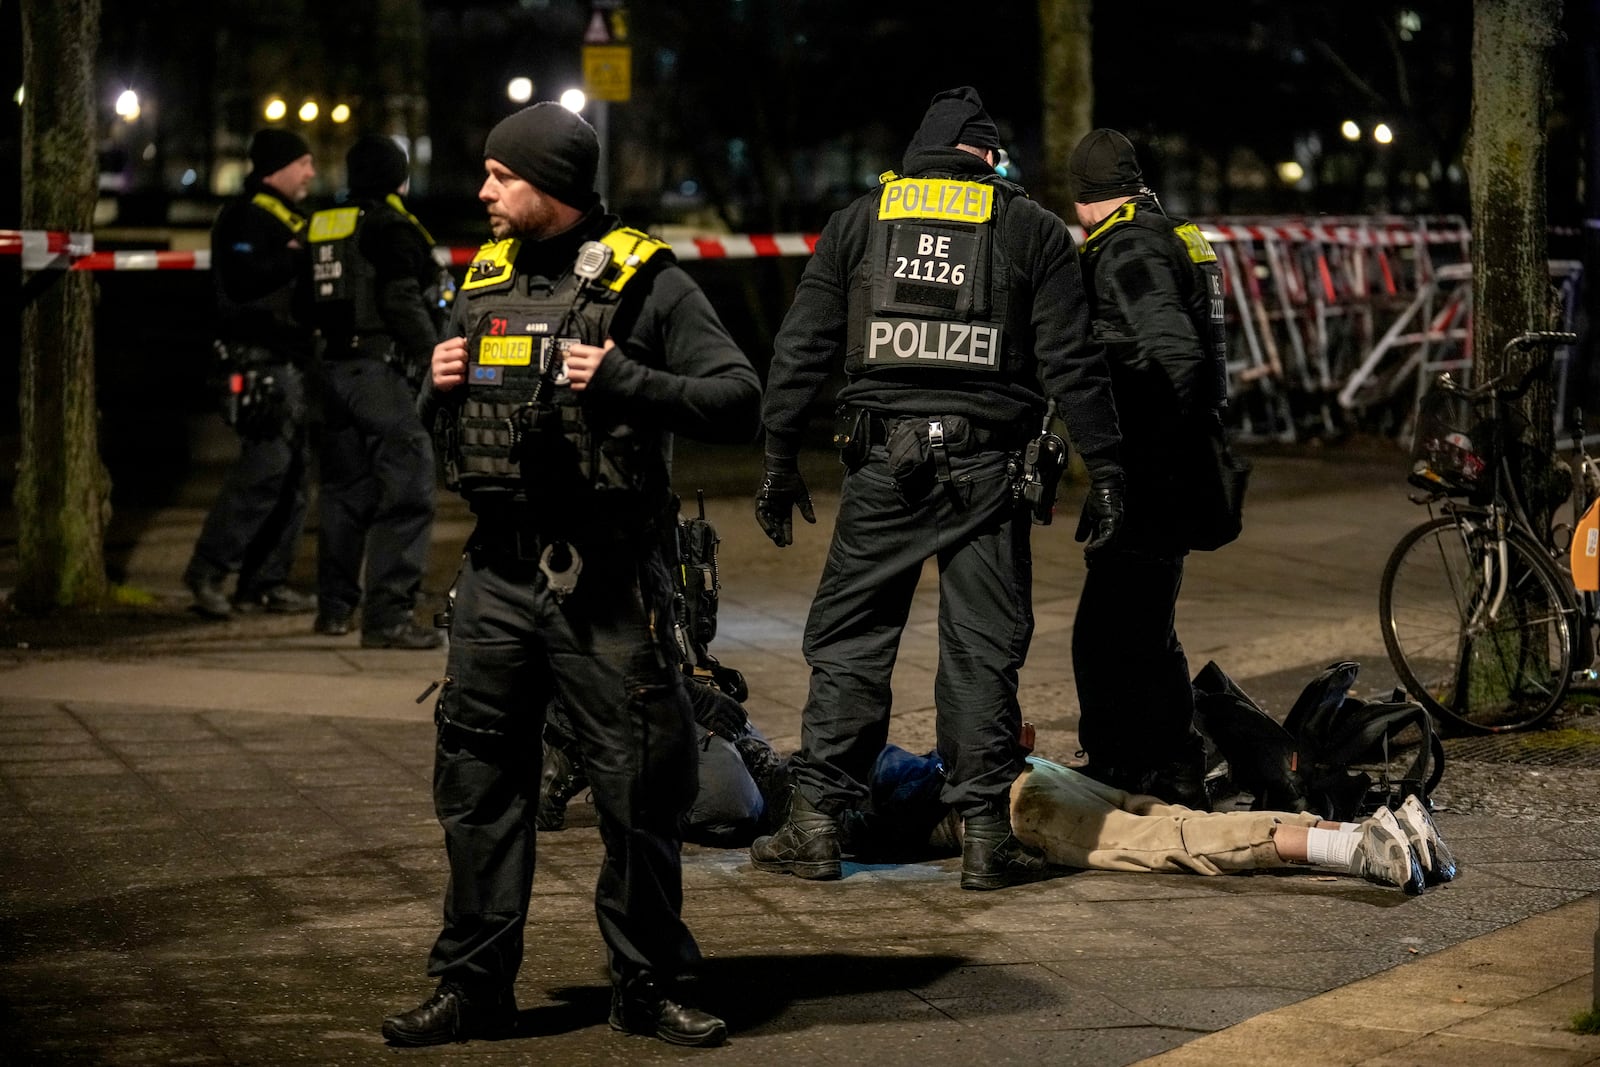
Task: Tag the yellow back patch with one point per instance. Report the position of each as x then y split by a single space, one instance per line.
936 198
334 223
1200 250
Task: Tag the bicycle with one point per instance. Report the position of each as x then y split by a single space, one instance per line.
1479 613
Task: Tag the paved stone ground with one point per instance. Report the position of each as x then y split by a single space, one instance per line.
217 844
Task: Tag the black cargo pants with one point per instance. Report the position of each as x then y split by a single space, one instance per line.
604 651
973 528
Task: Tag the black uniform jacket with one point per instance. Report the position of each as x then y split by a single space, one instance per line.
259 270
1048 320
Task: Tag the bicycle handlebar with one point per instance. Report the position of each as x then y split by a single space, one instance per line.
1550 340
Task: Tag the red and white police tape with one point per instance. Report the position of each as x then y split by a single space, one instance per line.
54 249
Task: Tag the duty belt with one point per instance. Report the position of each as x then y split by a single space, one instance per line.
981 438
372 346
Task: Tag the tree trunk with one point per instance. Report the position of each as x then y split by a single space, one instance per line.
62 491
1512 42
1065 37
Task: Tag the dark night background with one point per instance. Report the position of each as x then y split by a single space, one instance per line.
746 116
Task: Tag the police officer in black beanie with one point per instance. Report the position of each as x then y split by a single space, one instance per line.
1155 298
955 305
258 270
576 349
379 305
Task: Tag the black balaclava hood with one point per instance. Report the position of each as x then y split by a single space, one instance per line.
955 116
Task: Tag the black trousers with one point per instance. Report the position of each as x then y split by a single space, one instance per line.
1135 696
253 528
377 494
979 537
605 650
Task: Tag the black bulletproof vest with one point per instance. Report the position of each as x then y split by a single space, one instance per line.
520 427
343 280
929 302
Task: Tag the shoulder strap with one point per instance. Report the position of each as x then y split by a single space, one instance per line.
493 267
630 250
278 210
394 201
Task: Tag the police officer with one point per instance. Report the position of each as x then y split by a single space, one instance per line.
377 294
1155 297
258 263
950 297
576 349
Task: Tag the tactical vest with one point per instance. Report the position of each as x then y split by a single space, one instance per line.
344 280
930 300
279 302
1203 299
519 426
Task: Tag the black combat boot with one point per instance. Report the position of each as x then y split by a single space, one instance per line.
991 858
561 780
1182 779
455 1012
806 845
644 1009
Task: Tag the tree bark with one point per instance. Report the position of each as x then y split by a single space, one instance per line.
1065 39
62 493
1512 46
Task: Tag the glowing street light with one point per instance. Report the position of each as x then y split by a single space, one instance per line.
1382 133
1290 172
1350 130
275 109
308 111
340 113
520 90
128 105
573 100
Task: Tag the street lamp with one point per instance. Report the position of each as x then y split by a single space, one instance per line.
275 109
1350 130
340 113
574 100
1382 133
308 111
519 90
128 105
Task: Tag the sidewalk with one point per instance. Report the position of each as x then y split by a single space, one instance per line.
218 844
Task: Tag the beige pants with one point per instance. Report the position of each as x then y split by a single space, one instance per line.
1078 822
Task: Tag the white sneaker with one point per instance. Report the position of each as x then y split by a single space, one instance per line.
1438 864
1384 856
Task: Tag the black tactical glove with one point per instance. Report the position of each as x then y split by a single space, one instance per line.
1102 515
717 711
781 490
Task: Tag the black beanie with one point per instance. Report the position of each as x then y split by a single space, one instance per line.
956 116
376 166
1103 167
549 147
272 150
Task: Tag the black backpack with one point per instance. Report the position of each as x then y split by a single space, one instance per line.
1335 755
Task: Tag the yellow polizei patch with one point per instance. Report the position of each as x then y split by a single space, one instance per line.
505 351
334 224
936 198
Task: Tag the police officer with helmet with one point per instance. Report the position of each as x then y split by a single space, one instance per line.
956 305
1155 297
576 349
377 298
258 261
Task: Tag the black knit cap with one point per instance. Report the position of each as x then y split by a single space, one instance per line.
956 116
551 148
376 166
271 150
1103 167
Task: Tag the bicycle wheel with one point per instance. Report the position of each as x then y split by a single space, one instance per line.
1484 664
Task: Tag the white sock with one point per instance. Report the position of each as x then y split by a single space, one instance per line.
1331 848
1350 827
